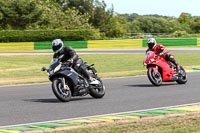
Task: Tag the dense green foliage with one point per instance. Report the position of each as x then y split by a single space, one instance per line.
41 35
92 15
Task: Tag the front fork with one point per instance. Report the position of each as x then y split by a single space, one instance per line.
155 70
64 83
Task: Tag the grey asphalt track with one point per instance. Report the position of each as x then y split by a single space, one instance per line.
36 103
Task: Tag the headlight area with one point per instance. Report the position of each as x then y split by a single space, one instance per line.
57 68
151 60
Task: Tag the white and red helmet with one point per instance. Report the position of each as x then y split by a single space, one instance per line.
151 42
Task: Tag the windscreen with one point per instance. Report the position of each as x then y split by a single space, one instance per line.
54 63
148 54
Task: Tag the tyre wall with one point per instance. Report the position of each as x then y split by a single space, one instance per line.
198 42
47 45
112 44
101 44
174 41
16 46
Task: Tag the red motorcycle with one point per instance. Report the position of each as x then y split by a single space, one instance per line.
159 70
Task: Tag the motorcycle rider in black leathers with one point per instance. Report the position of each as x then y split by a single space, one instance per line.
71 56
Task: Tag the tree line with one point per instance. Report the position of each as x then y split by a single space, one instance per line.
89 14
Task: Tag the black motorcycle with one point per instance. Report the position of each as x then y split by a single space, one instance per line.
67 83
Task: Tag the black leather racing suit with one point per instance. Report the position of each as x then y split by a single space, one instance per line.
70 53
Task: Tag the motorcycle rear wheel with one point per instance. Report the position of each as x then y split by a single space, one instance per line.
154 79
182 76
98 91
59 91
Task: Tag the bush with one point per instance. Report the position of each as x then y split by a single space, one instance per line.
180 34
46 35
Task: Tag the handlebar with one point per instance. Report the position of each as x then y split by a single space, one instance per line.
43 69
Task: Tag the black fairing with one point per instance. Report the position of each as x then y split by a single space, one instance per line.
54 65
67 73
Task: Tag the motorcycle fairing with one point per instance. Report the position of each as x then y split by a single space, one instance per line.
167 72
68 73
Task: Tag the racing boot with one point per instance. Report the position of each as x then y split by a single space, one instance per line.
88 77
171 58
178 68
93 81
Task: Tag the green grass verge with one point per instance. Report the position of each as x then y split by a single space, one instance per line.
17 69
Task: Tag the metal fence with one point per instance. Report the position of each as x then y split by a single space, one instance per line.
158 35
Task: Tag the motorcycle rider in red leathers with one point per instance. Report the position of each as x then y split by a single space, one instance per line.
161 50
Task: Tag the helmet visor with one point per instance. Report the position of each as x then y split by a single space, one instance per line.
57 48
150 45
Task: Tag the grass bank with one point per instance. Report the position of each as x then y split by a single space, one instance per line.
20 69
179 123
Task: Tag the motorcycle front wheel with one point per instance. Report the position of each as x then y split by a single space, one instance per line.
61 92
97 91
155 79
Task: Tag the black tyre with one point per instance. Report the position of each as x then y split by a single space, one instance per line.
182 76
59 91
98 91
155 79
